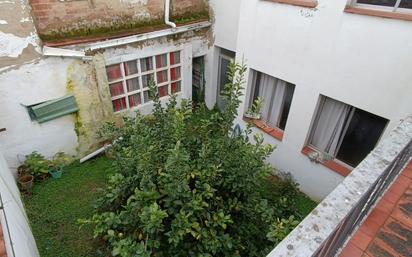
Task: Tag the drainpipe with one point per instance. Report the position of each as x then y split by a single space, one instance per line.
167 15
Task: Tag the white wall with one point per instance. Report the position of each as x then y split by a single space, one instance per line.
31 84
21 240
361 60
225 33
226 20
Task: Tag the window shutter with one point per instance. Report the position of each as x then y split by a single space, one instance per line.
54 109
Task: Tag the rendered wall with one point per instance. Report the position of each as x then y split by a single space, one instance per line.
360 60
21 241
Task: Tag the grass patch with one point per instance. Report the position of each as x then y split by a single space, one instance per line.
55 206
305 205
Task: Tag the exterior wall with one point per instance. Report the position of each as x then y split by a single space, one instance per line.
18 238
84 16
27 77
360 60
225 15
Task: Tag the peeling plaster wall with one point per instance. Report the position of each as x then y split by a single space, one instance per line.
18 36
361 60
31 84
47 78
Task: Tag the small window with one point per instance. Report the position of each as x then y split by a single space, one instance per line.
345 132
390 5
277 97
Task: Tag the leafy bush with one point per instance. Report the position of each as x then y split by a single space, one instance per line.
37 164
186 185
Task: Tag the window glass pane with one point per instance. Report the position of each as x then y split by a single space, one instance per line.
146 79
161 61
132 84
330 121
119 104
361 137
290 89
116 89
134 100
175 58
175 73
146 64
224 67
130 68
162 76
146 96
176 87
113 72
163 91
378 2
406 4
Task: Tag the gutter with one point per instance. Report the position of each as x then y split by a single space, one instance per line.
61 52
167 15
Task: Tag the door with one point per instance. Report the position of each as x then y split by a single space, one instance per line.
225 56
198 80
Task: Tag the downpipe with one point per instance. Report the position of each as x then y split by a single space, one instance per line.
167 15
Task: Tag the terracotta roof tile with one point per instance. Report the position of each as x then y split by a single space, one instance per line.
387 232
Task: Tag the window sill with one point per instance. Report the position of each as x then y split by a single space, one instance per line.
302 3
273 132
378 13
332 164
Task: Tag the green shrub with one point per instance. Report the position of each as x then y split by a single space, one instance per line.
37 164
186 185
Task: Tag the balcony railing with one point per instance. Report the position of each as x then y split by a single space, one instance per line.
326 230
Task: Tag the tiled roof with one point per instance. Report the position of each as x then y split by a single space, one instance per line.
2 245
387 231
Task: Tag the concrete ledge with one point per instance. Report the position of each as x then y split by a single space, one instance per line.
312 232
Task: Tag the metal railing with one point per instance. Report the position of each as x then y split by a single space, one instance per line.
343 232
331 224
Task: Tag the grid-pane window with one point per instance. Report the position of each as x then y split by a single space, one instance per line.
277 97
345 132
130 68
113 72
161 61
389 5
175 58
129 81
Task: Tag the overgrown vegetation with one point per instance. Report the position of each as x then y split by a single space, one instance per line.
55 205
187 185
128 25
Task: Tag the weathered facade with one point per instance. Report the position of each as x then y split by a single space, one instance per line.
29 76
62 20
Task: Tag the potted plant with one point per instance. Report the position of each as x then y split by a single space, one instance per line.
56 166
26 182
254 111
37 165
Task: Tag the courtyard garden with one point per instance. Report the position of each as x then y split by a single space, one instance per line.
179 182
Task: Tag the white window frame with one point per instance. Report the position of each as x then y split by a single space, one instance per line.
140 74
255 74
395 8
